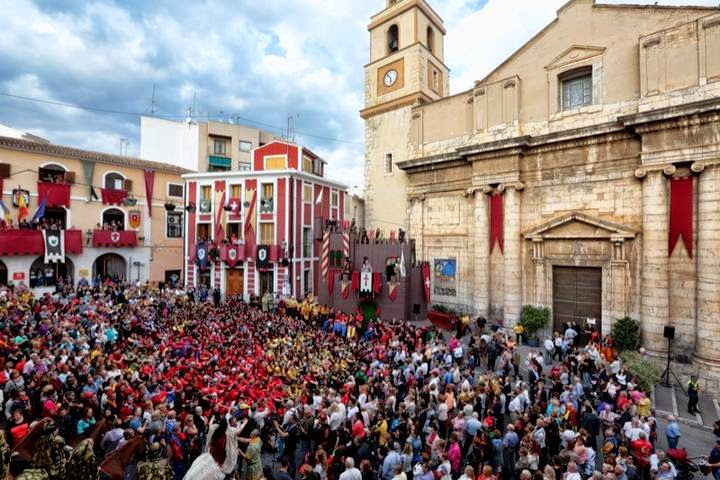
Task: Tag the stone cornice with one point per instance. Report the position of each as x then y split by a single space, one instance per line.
688 114
390 105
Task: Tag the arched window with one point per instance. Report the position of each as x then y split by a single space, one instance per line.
110 266
393 39
52 173
430 40
49 274
113 219
114 181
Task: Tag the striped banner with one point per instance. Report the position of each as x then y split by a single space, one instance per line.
346 245
325 254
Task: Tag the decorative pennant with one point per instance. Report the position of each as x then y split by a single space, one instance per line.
355 281
219 211
89 170
331 282
426 280
393 290
249 230
366 282
377 283
201 255
496 222
231 255
149 180
681 213
134 218
345 289
235 204
110 196
54 246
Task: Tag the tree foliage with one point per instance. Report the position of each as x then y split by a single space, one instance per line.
534 318
626 333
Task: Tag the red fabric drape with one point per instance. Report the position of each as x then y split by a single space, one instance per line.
393 291
681 213
108 238
58 194
331 282
345 289
496 222
426 280
377 284
112 196
30 242
149 179
355 281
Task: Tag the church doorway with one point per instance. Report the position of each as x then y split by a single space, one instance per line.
577 296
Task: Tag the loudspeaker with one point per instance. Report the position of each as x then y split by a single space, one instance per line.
416 309
669 332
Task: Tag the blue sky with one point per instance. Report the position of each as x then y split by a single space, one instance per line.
260 60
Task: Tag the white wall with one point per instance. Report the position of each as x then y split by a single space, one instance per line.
170 142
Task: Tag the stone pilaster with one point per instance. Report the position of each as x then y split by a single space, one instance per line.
512 267
417 223
481 254
538 258
654 302
707 347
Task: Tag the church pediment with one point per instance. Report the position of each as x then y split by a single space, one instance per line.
580 226
576 53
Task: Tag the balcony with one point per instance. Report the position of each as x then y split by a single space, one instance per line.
219 161
116 239
30 242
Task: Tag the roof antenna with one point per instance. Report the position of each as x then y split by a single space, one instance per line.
152 102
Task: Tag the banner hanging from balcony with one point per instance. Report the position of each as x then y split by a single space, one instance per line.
201 255
89 170
149 180
111 238
325 256
393 290
56 194
219 211
110 196
263 256
134 218
681 213
496 222
232 254
54 246
249 230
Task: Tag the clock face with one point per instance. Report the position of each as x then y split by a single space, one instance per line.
390 78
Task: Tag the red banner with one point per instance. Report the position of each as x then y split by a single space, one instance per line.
393 291
149 178
112 196
426 280
58 194
232 254
377 283
249 230
110 238
345 289
30 242
331 282
355 281
681 213
496 222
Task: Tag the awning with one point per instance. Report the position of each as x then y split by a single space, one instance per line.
110 238
30 242
222 162
58 194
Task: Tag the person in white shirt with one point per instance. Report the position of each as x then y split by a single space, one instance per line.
549 347
350 473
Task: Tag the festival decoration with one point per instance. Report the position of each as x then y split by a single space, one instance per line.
54 246
111 196
393 290
21 199
201 255
346 244
681 213
331 282
426 280
344 288
496 222
263 256
219 212
149 180
325 262
134 218
249 230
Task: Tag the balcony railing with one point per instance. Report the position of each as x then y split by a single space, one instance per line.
112 238
30 242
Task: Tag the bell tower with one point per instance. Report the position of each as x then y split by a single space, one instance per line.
407 41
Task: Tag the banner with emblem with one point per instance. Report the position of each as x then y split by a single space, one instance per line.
201 255
345 288
134 219
232 254
263 256
366 282
393 290
205 205
54 246
426 280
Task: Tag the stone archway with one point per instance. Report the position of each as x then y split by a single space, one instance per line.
110 266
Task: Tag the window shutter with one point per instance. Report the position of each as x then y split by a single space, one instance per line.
70 177
4 170
128 185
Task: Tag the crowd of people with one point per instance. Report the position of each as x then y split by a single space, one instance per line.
127 381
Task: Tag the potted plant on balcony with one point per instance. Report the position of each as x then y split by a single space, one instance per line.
169 206
533 319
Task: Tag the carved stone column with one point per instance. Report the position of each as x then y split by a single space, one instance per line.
618 283
654 302
481 254
417 224
538 258
512 267
707 347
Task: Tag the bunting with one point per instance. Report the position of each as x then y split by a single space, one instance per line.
496 222
149 180
681 213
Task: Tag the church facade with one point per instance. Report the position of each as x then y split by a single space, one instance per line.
582 174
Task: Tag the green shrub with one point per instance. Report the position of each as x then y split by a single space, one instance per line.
626 333
533 319
645 372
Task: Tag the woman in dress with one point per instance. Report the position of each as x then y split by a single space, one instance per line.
220 455
252 468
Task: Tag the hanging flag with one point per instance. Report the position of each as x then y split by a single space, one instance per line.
366 282
355 281
393 290
426 280
344 288
89 169
325 254
219 211
4 210
22 207
231 255
135 218
377 283
40 212
331 282
263 256
402 262
149 179
496 222
319 198
249 230
54 246
681 213
201 255
235 204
